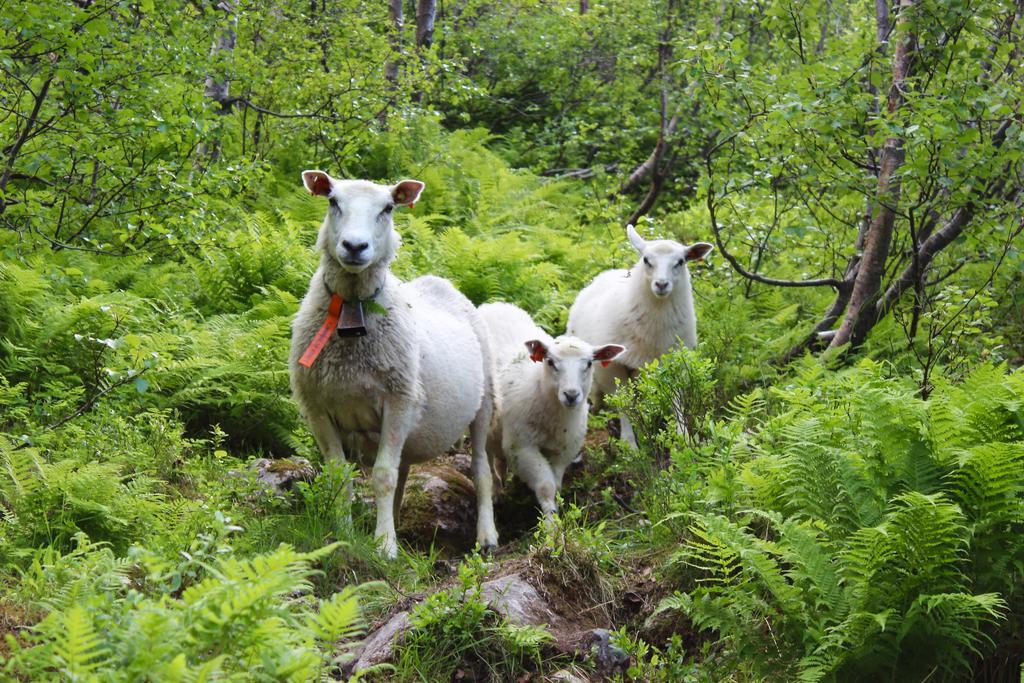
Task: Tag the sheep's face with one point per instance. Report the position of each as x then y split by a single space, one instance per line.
663 262
359 230
569 366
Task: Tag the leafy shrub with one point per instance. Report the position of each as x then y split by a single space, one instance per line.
873 534
48 504
673 393
99 626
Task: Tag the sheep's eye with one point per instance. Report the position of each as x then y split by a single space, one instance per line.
551 364
647 262
589 363
387 209
680 262
334 203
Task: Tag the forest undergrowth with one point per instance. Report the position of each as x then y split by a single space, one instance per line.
816 522
826 510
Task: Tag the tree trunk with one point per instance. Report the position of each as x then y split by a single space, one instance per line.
426 10
860 313
644 170
397 23
823 34
217 85
659 164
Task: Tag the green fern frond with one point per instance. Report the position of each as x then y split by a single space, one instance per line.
20 472
339 617
78 647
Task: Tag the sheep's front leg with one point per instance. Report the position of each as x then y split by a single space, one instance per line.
328 440
561 463
533 468
618 375
325 432
483 481
396 423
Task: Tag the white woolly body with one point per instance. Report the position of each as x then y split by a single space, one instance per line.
619 306
424 348
532 430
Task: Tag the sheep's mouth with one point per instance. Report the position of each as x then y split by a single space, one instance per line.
354 265
661 293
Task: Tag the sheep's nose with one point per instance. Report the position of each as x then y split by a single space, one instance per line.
661 285
355 249
571 396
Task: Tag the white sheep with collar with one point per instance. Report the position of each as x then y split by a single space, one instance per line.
423 373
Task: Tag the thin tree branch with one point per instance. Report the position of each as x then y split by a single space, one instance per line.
734 262
12 156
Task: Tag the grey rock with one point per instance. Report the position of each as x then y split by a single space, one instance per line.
608 658
280 475
518 601
380 645
439 507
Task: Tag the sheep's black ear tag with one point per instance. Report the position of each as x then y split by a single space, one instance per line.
352 323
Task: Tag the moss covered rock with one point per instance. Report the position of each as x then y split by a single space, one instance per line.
439 507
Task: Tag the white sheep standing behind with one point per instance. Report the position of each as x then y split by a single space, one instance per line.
407 390
649 308
540 419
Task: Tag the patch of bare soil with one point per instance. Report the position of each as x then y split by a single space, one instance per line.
14 619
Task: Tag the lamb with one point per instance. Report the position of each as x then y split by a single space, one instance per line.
648 307
541 415
409 366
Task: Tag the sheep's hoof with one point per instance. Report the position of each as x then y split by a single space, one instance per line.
388 548
487 549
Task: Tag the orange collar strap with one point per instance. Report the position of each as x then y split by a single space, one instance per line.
323 335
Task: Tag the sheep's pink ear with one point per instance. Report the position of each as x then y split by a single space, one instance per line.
607 353
538 350
698 251
317 182
407 192
638 242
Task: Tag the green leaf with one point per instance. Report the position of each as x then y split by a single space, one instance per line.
373 307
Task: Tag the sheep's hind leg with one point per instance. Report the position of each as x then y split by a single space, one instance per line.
396 423
681 427
611 381
483 482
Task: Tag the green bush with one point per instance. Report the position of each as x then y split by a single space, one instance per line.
48 504
100 627
868 533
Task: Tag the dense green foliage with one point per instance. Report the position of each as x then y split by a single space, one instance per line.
218 628
841 514
876 533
